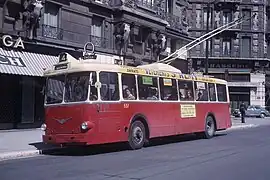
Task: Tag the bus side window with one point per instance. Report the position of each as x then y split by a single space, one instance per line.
148 88
93 90
201 91
109 90
168 89
185 90
221 92
212 91
129 87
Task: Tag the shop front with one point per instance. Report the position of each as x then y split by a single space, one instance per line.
246 78
21 90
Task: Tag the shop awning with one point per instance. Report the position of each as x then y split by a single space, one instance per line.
24 63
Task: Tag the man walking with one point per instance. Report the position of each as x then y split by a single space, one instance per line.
243 112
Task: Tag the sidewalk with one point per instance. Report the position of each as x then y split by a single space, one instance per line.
21 143
250 122
24 143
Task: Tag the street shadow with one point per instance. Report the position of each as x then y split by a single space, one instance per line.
112 147
179 139
42 146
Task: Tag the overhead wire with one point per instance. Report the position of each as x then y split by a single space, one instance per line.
201 39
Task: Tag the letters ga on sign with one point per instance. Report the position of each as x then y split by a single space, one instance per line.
188 110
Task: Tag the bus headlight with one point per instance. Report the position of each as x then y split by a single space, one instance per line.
84 126
43 127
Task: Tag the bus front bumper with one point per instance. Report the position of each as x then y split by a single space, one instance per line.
65 139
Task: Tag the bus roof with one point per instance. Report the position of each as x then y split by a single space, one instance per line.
68 64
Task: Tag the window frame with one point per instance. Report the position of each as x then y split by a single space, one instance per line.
97 89
225 42
193 90
94 21
46 13
158 91
206 86
176 88
226 93
209 92
122 90
118 86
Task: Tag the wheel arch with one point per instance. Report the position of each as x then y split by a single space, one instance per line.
144 120
214 118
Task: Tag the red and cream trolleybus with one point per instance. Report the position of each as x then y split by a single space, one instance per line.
91 103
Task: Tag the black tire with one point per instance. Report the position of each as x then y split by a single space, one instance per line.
137 135
210 128
262 115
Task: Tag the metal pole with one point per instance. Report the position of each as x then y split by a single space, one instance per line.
207 41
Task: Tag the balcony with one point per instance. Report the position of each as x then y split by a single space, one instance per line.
145 5
61 36
52 32
99 42
151 8
176 23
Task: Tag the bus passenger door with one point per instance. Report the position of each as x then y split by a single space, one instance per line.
187 108
109 109
109 117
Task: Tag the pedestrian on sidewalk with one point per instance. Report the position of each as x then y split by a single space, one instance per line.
243 112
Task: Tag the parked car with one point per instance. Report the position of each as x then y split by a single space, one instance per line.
253 111
236 113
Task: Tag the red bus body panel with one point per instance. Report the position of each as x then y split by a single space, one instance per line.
112 120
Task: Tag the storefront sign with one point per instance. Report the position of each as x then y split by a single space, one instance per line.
226 64
229 65
8 41
12 61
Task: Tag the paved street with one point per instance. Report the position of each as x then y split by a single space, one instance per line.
240 154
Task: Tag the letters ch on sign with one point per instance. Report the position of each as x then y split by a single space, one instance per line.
8 41
12 61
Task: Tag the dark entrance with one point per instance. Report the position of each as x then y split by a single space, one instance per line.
10 104
239 95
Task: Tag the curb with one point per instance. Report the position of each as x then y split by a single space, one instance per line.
24 154
235 127
20 130
18 154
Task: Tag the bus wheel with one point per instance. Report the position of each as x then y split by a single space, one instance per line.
136 137
210 128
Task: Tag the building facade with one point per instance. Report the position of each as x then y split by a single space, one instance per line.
34 32
238 54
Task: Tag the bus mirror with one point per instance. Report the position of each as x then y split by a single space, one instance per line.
98 85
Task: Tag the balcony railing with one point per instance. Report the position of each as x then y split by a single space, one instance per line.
146 3
154 8
52 32
177 23
73 37
99 41
174 21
